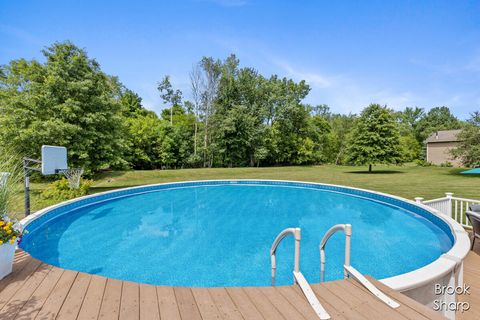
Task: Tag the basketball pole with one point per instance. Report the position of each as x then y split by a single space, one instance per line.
26 171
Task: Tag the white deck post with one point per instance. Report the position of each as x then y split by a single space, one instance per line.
419 200
449 204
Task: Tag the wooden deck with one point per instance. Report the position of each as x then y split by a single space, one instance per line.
471 274
39 291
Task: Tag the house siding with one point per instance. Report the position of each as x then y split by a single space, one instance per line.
439 152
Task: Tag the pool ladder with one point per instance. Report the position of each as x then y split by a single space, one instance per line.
348 270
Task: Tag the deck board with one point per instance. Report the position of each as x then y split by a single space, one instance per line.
112 296
224 303
282 304
39 291
264 306
130 305
55 300
334 313
298 302
337 303
16 281
359 302
167 303
18 300
93 299
244 304
35 303
206 305
73 302
148 303
187 304
471 278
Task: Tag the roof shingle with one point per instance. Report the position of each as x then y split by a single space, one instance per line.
443 136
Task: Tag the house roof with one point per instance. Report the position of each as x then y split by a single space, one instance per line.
443 136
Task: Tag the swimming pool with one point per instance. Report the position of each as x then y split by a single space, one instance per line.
218 233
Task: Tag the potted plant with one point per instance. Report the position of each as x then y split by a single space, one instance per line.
10 236
10 231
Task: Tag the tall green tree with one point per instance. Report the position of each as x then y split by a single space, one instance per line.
67 100
289 119
468 149
438 118
408 122
170 96
340 125
145 135
238 121
375 138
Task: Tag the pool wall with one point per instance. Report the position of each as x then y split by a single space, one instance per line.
418 284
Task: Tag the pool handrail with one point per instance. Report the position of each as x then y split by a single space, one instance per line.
296 264
347 229
298 277
348 270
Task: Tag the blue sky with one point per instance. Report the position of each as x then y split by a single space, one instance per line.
399 53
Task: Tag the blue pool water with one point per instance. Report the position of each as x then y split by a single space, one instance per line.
220 233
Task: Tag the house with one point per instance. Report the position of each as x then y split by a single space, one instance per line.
439 145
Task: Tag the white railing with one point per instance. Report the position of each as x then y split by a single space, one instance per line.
451 206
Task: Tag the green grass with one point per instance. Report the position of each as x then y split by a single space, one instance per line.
407 181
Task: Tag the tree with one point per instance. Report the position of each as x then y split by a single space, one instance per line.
340 125
408 119
197 86
375 138
132 104
212 71
65 101
169 95
289 119
411 144
145 134
439 118
468 149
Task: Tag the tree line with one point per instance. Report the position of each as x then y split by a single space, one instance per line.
234 117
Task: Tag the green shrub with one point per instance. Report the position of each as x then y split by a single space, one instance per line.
446 164
423 163
60 190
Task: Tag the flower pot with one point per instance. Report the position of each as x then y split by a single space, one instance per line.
7 253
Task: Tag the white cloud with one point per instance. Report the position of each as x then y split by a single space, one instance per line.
314 79
342 92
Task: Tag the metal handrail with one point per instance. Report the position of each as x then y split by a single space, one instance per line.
297 235
347 229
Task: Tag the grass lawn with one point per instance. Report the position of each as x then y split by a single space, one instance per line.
407 181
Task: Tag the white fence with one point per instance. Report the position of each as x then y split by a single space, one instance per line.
451 206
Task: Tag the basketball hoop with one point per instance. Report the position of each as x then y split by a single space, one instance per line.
54 160
73 175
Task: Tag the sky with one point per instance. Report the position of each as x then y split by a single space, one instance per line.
352 53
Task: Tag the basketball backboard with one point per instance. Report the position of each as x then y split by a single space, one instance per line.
54 159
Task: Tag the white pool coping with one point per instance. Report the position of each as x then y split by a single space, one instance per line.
429 273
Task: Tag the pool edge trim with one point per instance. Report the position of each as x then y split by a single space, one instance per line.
447 263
